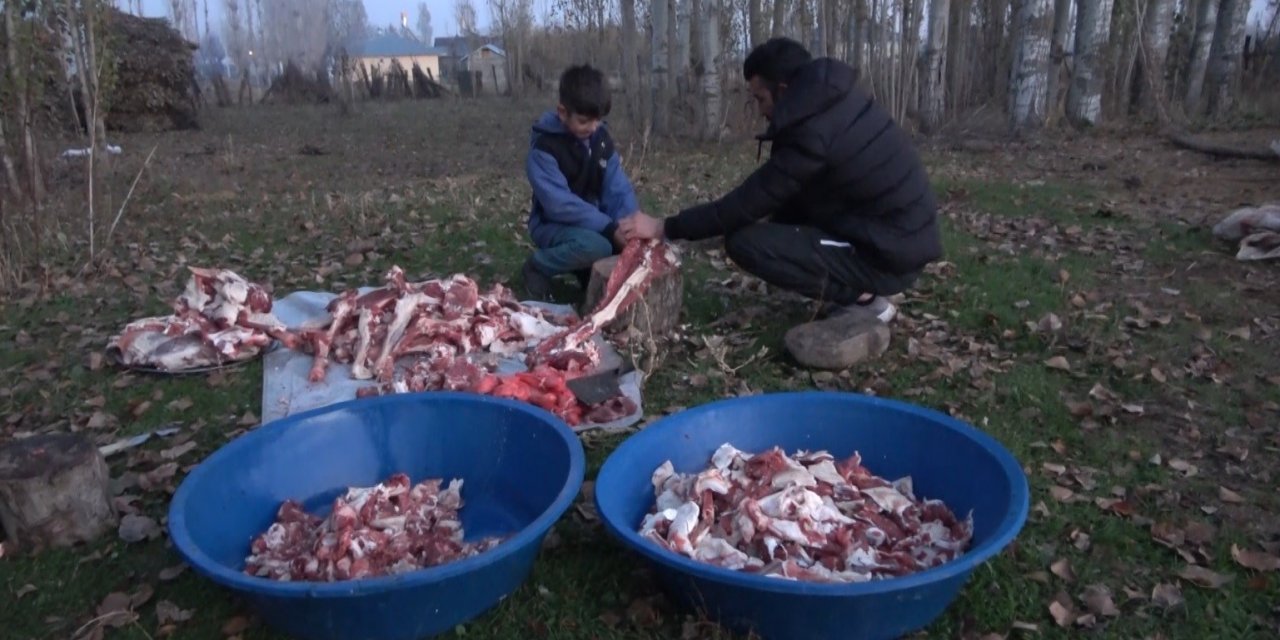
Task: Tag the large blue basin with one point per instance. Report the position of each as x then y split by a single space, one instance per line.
947 459
521 467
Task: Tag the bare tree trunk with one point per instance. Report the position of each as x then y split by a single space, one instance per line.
11 56
1206 24
660 67
1093 27
628 71
1228 47
1058 54
1157 25
933 67
779 18
756 26
1029 82
862 38
709 41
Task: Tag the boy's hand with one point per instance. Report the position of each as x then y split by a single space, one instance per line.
619 237
640 226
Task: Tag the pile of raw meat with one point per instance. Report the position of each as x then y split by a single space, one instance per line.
219 318
457 335
386 529
804 517
435 319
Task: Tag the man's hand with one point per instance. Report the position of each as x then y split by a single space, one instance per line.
640 226
619 238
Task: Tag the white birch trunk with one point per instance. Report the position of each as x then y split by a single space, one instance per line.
630 77
1029 81
660 67
1224 58
1157 26
1062 13
1093 28
1202 45
685 52
933 67
755 23
779 18
709 41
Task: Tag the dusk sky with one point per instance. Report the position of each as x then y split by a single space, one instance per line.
384 12
381 12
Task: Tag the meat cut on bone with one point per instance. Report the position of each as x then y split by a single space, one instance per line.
219 318
641 261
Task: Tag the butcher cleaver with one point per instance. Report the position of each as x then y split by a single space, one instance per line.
602 385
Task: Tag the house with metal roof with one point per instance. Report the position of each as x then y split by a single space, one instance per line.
378 51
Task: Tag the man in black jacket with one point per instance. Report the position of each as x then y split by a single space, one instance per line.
851 215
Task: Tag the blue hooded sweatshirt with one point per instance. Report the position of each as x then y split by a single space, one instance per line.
572 188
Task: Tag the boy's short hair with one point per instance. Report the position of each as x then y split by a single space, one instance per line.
775 61
583 91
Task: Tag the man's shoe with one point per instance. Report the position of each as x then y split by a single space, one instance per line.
878 307
537 285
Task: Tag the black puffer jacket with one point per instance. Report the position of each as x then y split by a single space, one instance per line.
839 163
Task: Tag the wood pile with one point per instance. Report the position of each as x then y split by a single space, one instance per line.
153 73
295 87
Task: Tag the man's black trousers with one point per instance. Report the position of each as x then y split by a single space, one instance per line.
809 262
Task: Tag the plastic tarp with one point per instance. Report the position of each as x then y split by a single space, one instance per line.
286 389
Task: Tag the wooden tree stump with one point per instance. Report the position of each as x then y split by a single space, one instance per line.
656 313
54 491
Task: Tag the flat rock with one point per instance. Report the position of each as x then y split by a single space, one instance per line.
838 342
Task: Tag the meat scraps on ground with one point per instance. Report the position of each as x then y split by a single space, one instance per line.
386 529
802 517
219 318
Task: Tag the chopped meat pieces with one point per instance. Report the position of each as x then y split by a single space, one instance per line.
219 318
386 529
801 517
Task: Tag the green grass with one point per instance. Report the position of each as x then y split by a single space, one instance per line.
465 215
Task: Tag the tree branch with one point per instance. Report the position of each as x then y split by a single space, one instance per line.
1185 141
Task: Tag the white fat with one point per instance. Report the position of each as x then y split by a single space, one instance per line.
862 557
888 499
660 475
719 552
788 530
670 500
533 328
393 524
793 477
904 486
275 536
725 456
825 471
711 480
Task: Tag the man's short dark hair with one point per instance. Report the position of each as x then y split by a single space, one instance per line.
775 61
583 91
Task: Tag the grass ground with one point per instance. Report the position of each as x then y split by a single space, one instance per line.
1083 315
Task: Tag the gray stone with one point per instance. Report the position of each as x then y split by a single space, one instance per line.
838 342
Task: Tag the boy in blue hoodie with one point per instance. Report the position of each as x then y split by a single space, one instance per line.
580 191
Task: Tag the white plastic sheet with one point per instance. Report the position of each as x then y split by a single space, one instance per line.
286 389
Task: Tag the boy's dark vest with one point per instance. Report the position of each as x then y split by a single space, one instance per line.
584 174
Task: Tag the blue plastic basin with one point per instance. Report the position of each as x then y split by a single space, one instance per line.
521 468
947 460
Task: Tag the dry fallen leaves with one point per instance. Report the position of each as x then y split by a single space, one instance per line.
1062 569
167 612
1097 598
136 528
1058 362
1166 595
1256 560
1227 495
1203 577
171 573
